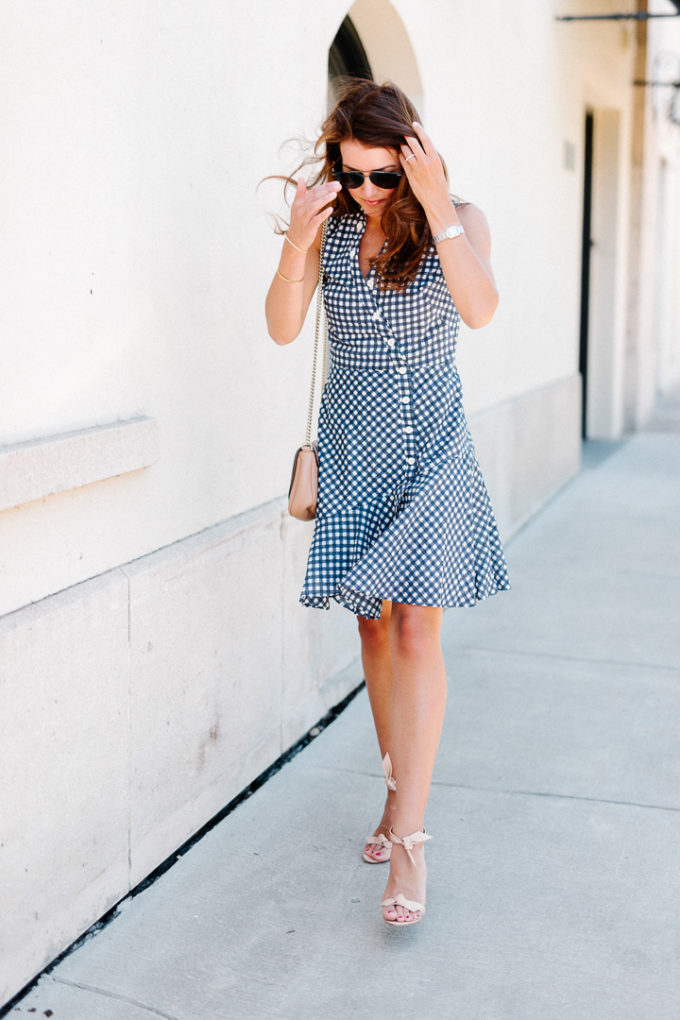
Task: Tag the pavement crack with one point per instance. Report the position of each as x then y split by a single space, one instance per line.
556 796
114 995
520 793
624 663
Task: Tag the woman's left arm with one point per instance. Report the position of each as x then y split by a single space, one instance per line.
466 259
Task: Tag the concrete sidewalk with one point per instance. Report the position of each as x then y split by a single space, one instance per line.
554 875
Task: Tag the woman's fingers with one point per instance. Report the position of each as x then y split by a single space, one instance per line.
422 165
419 144
405 164
322 214
311 206
411 147
424 139
407 152
320 203
312 199
324 193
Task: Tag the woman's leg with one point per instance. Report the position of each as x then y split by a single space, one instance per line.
377 664
418 703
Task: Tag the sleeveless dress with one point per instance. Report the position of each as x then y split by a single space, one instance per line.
402 512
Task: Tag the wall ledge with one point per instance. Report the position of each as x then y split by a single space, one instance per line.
42 467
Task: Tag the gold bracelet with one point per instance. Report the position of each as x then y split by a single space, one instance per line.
301 280
303 251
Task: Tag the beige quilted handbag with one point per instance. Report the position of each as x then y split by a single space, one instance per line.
304 479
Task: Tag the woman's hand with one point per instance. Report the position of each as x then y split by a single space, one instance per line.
424 169
296 278
465 260
311 206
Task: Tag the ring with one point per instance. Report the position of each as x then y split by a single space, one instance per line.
412 156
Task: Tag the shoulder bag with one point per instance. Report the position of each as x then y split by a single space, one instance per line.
304 479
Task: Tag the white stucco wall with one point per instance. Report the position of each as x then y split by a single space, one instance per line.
661 340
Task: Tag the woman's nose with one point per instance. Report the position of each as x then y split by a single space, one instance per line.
370 192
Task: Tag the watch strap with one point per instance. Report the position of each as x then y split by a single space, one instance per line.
455 230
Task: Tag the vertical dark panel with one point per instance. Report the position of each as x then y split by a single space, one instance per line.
347 55
586 245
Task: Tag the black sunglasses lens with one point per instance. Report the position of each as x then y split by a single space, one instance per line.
353 179
348 179
385 179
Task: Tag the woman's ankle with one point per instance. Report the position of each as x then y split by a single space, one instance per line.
403 827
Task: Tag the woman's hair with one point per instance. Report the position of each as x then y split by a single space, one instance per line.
380 116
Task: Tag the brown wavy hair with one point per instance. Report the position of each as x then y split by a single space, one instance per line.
381 116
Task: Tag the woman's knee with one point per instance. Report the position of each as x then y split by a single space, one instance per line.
375 631
415 629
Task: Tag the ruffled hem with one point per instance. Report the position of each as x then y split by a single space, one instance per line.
362 604
357 602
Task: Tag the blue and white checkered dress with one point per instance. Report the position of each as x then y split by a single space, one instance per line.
402 512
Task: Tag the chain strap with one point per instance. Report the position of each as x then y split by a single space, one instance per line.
317 329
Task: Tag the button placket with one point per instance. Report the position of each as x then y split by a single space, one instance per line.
397 364
405 426
373 295
396 359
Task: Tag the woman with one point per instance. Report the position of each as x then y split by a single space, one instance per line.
404 527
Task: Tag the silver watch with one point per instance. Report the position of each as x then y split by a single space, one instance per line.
454 231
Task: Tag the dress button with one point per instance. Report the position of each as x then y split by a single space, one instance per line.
370 283
405 400
401 369
408 428
410 460
376 315
390 343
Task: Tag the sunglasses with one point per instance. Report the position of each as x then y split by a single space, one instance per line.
353 179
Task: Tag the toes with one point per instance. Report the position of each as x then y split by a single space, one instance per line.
408 916
397 913
401 914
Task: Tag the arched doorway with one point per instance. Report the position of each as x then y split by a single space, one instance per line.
347 54
372 42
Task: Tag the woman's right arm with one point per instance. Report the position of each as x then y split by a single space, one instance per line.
295 281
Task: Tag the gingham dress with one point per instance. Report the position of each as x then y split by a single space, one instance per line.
402 511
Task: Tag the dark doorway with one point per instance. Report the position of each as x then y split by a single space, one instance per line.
347 54
586 245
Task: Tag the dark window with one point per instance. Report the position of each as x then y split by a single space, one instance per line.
347 54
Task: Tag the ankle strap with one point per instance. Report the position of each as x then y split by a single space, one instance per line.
390 782
408 842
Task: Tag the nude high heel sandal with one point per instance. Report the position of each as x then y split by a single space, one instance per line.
400 900
378 849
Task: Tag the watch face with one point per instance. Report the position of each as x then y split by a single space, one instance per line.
452 231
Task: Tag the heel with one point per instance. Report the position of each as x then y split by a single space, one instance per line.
413 906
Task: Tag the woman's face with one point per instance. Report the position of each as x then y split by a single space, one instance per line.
366 158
